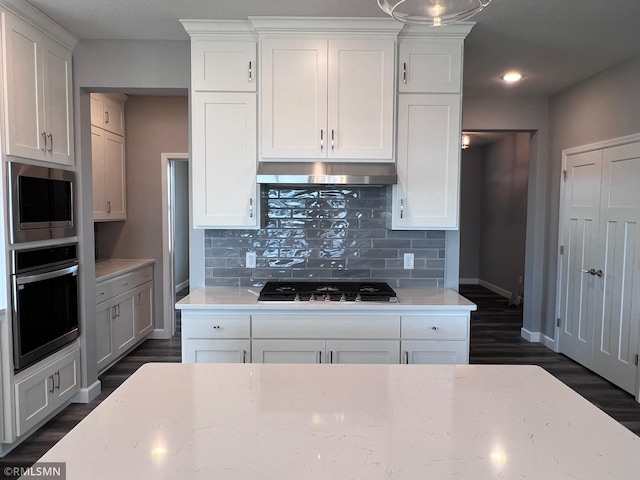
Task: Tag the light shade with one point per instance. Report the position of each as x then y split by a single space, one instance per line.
432 12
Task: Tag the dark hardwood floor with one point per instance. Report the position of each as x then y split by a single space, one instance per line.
495 339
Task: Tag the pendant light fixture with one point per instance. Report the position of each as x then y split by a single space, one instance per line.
432 12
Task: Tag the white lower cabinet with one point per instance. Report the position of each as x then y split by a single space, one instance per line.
435 339
210 337
124 314
329 351
41 393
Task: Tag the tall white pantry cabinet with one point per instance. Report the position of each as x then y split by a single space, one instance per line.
37 128
319 89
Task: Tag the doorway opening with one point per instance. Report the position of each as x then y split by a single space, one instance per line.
175 228
493 212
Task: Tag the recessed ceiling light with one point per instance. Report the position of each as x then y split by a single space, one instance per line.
512 77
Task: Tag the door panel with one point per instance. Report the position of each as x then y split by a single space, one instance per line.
579 236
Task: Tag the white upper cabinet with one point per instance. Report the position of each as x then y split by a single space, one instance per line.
223 126
223 66
428 163
38 95
433 67
107 112
327 98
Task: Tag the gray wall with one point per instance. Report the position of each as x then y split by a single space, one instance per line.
604 107
121 66
181 222
504 212
471 187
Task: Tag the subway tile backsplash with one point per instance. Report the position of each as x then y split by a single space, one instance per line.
324 233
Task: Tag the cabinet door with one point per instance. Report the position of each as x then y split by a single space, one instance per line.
363 351
113 116
39 394
143 309
360 99
105 351
98 174
223 66
288 351
58 115
434 352
224 160
293 95
25 130
428 162
124 333
114 176
430 67
216 351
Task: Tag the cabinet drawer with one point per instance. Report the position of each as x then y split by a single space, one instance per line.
113 287
436 327
210 325
103 291
429 352
330 326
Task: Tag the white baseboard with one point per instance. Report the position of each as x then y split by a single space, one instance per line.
538 337
85 395
495 289
182 285
469 281
159 334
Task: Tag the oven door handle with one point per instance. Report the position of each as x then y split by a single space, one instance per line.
38 277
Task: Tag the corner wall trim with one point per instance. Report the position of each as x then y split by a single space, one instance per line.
85 395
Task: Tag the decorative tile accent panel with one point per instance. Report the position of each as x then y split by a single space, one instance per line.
324 233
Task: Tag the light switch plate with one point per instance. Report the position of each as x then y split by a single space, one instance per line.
250 260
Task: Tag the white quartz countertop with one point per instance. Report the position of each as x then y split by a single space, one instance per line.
369 422
247 298
106 269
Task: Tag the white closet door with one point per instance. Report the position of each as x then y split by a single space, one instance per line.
579 238
616 332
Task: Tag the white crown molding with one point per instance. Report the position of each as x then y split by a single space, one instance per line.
209 28
335 25
456 30
31 15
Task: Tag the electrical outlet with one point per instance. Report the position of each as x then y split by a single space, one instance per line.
408 261
250 260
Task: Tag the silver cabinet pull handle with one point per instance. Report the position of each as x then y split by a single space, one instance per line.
108 207
402 208
333 136
330 356
216 327
404 73
250 73
244 356
44 136
321 140
58 380
406 357
319 356
434 328
50 150
587 271
251 208
106 117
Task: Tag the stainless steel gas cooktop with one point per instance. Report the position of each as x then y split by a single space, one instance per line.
330 291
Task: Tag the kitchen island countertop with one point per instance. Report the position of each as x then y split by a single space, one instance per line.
240 298
373 422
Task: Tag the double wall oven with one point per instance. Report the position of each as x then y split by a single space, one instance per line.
43 275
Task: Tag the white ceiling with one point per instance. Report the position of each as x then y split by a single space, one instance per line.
555 43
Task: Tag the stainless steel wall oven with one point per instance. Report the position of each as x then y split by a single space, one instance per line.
44 300
41 203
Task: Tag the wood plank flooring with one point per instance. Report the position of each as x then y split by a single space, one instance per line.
495 339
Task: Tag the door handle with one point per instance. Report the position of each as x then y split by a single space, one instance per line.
50 149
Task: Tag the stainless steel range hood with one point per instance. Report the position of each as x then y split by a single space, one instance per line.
327 173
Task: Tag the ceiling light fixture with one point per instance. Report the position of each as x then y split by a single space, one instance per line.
466 141
432 12
512 77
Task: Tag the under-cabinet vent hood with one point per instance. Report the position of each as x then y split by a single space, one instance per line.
327 173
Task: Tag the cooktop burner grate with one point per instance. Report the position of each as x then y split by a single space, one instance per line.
276 291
